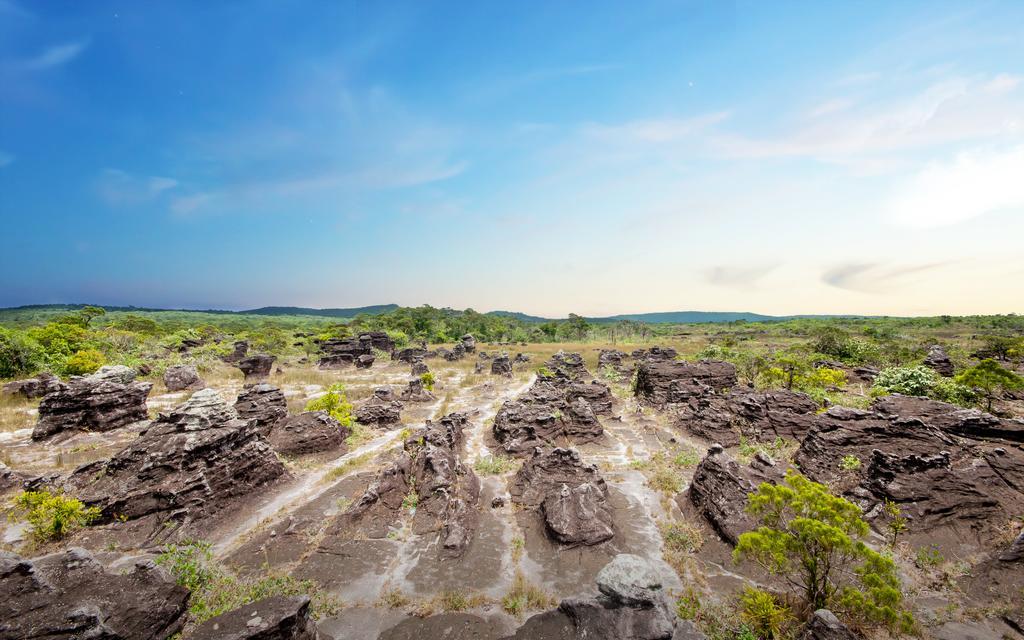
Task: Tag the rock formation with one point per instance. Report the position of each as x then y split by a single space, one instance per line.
36 387
572 496
263 403
191 463
181 377
105 400
68 595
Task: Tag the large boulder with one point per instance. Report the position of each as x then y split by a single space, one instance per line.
720 487
36 387
263 403
662 381
938 360
308 432
572 496
756 416
544 415
190 464
181 377
273 618
447 492
630 604
68 595
257 367
105 400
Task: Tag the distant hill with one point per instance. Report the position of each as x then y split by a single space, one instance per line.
372 310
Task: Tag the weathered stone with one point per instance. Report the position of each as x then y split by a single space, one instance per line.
188 465
938 360
180 377
257 367
825 626
105 400
501 366
263 403
273 618
68 595
661 381
36 387
720 487
308 432
542 416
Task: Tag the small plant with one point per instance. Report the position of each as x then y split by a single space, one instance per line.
849 463
763 615
428 380
52 516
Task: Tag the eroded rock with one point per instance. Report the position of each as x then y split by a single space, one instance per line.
105 400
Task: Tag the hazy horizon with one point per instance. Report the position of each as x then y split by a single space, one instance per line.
782 159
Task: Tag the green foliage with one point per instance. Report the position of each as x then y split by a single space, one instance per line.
215 591
20 355
335 403
813 538
84 362
990 378
52 516
428 380
763 615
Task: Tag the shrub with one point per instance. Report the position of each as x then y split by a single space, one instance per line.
51 516
428 381
813 538
335 403
84 362
763 615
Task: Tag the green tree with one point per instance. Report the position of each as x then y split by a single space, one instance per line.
813 540
989 378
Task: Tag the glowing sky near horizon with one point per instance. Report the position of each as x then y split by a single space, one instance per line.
596 158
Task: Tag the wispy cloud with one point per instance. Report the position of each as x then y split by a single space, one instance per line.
56 55
971 184
5 159
737 277
120 188
873 277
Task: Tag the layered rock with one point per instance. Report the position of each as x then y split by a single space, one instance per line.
630 603
105 400
380 410
756 416
951 489
68 595
191 463
36 387
572 497
447 492
938 360
273 618
501 366
257 367
662 381
308 432
182 377
544 415
416 393
720 487
263 403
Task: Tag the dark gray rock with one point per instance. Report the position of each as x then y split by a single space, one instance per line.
68 595
180 377
263 403
308 432
273 618
257 367
36 387
105 400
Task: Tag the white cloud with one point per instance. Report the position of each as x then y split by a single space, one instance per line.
56 56
972 184
120 188
5 159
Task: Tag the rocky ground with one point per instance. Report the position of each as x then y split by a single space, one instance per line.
502 503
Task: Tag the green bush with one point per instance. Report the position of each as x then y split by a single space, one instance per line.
814 540
84 362
52 516
335 403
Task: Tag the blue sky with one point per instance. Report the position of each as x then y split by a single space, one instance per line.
546 157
